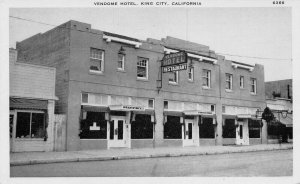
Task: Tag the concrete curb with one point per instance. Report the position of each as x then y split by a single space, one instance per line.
127 157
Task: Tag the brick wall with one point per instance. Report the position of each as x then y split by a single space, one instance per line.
50 49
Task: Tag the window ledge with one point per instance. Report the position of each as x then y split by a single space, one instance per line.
254 94
142 79
28 139
173 83
93 72
191 81
206 88
229 90
121 70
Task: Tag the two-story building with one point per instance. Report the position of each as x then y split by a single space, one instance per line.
114 93
32 98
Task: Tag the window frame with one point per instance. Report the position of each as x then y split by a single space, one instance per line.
207 78
242 82
139 125
191 71
254 84
151 99
122 61
82 134
100 60
230 81
30 123
176 78
147 68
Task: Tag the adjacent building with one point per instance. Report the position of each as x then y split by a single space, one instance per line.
114 93
32 98
279 99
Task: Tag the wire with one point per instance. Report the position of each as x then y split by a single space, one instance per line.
256 57
43 23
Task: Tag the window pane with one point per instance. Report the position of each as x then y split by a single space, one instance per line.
94 126
141 71
84 97
23 125
142 127
142 67
120 129
38 125
95 64
229 130
120 61
207 128
11 125
172 128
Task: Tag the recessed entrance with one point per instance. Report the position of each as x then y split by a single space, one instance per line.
242 132
188 136
117 132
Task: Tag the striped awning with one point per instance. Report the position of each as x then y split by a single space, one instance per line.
23 103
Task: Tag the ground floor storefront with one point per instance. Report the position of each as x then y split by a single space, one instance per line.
31 124
112 121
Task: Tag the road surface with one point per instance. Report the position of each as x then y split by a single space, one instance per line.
268 163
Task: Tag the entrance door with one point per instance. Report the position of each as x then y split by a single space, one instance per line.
188 136
242 133
117 132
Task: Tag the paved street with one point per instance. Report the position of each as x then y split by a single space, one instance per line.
268 163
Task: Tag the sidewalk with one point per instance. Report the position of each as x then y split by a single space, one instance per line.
28 158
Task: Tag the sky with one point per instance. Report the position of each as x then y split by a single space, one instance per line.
249 33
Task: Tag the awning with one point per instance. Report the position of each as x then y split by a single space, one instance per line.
126 108
287 121
198 113
173 113
23 103
94 108
147 111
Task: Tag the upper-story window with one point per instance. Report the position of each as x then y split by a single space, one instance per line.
142 68
151 103
206 78
173 77
228 78
96 60
121 61
166 105
241 81
191 74
253 85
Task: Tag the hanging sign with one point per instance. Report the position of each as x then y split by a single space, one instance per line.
174 68
174 62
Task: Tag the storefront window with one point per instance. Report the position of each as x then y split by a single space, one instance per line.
207 128
142 127
229 129
30 125
172 128
94 126
254 128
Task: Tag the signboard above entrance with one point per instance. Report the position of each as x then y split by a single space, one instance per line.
126 108
174 59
